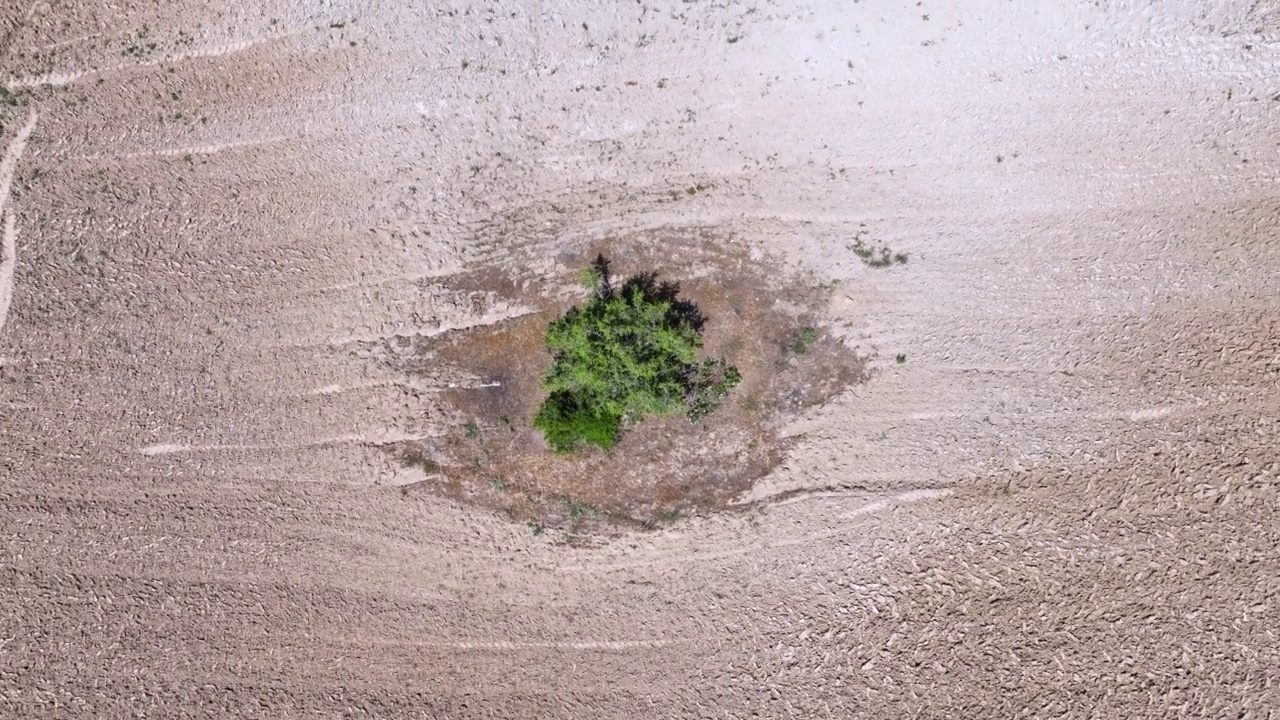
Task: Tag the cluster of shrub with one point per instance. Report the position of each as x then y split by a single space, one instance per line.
630 351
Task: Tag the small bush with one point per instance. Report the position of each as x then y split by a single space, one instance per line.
626 353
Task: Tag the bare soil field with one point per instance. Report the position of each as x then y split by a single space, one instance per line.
257 254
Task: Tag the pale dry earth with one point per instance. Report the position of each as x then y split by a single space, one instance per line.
1063 504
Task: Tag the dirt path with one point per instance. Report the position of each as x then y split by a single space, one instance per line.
237 219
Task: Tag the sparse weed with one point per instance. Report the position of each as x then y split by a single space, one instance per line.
666 517
805 339
876 257
732 348
578 510
415 457
12 99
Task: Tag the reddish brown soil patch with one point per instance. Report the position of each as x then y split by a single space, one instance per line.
662 467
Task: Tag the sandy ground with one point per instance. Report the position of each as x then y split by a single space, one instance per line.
1062 505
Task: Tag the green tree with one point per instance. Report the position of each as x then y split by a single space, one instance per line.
628 352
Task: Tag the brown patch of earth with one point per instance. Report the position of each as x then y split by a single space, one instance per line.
761 320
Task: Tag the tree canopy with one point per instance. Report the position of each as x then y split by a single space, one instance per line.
628 352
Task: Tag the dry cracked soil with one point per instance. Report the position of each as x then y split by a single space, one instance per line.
238 237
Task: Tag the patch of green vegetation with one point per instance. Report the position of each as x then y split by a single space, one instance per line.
497 484
902 359
627 353
593 278
877 257
805 339
536 527
471 430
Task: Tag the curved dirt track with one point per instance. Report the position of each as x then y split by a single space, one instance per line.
1063 504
